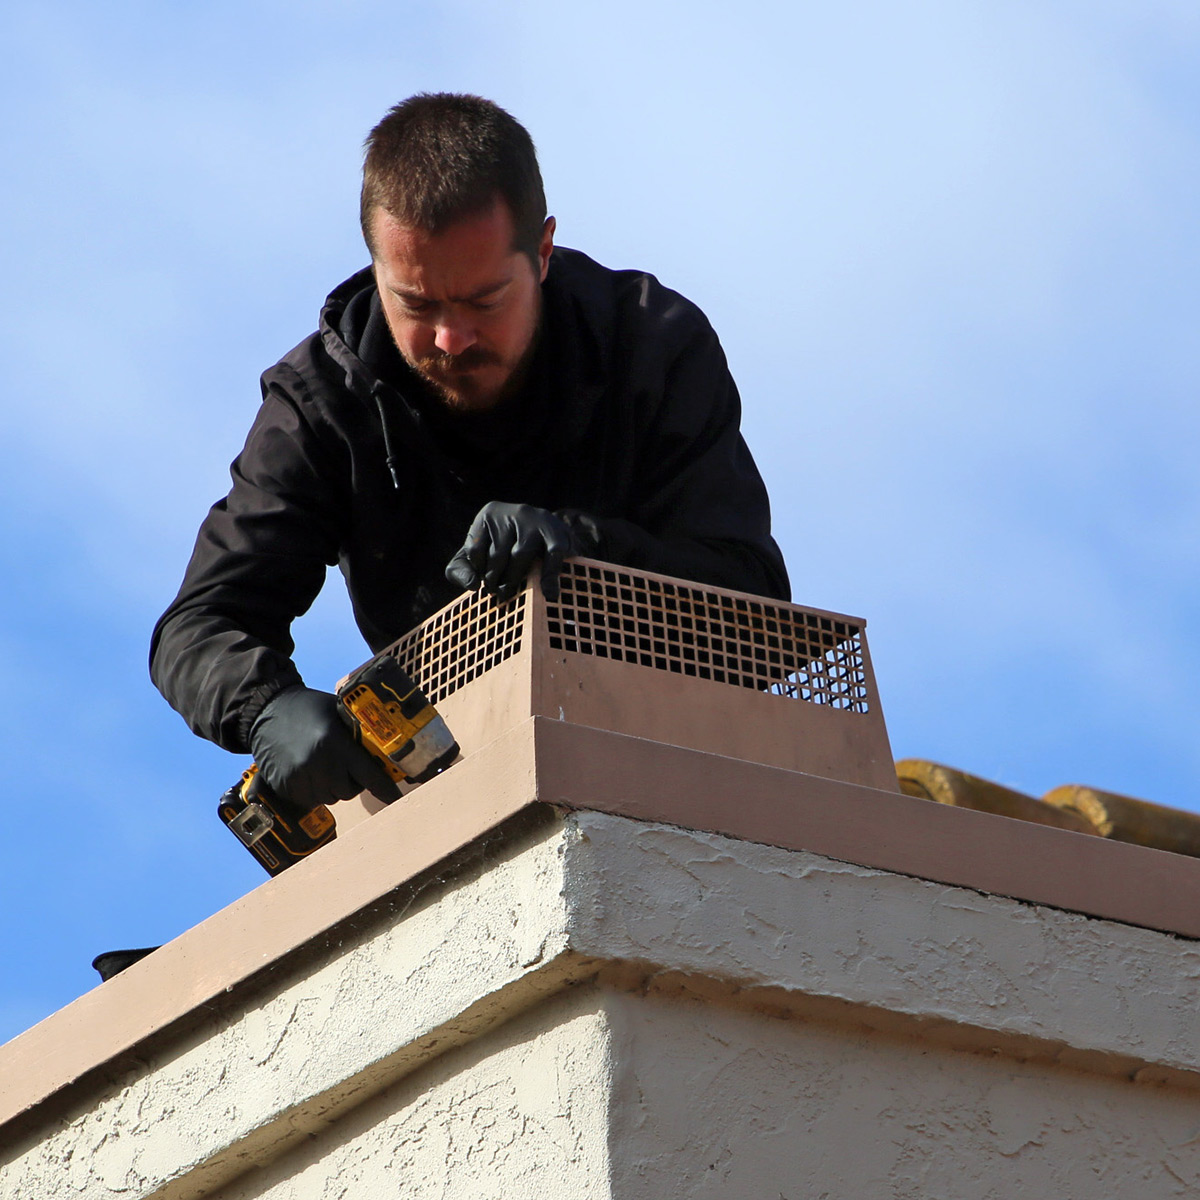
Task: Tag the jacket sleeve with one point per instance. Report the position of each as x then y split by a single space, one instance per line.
223 648
702 510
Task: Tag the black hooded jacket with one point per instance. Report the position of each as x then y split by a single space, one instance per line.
628 415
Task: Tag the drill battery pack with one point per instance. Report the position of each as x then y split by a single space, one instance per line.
275 832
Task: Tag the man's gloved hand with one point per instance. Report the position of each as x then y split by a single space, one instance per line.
307 753
502 545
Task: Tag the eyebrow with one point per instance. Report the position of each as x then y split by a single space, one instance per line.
479 293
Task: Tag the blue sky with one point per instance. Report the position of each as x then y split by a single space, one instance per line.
951 249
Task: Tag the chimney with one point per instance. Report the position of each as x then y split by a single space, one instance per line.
670 928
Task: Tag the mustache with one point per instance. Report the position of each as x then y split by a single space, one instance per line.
470 359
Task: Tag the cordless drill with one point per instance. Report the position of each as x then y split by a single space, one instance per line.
391 718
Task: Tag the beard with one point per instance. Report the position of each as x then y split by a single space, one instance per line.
455 378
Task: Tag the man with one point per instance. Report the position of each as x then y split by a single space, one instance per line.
474 381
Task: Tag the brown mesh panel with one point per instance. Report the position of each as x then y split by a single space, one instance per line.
458 644
615 613
690 630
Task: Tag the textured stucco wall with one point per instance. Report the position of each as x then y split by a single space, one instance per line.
318 1038
605 1093
611 999
980 970
522 1114
711 1102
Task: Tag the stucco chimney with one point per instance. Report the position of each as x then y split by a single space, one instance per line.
669 928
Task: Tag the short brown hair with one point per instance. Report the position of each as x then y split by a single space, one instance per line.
436 158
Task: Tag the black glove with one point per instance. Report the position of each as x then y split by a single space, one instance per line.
503 543
307 753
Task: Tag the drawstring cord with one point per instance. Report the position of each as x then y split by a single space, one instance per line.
393 463
393 459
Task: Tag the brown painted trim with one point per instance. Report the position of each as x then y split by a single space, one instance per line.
222 952
626 776
579 767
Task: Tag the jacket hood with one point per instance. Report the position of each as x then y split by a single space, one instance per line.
346 327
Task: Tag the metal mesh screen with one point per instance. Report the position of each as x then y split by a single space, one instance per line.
461 642
687 629
690 630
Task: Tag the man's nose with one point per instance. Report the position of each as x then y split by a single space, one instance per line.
454 334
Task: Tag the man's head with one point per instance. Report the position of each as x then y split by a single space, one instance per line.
454 214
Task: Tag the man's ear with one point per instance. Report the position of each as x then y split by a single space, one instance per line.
545 246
